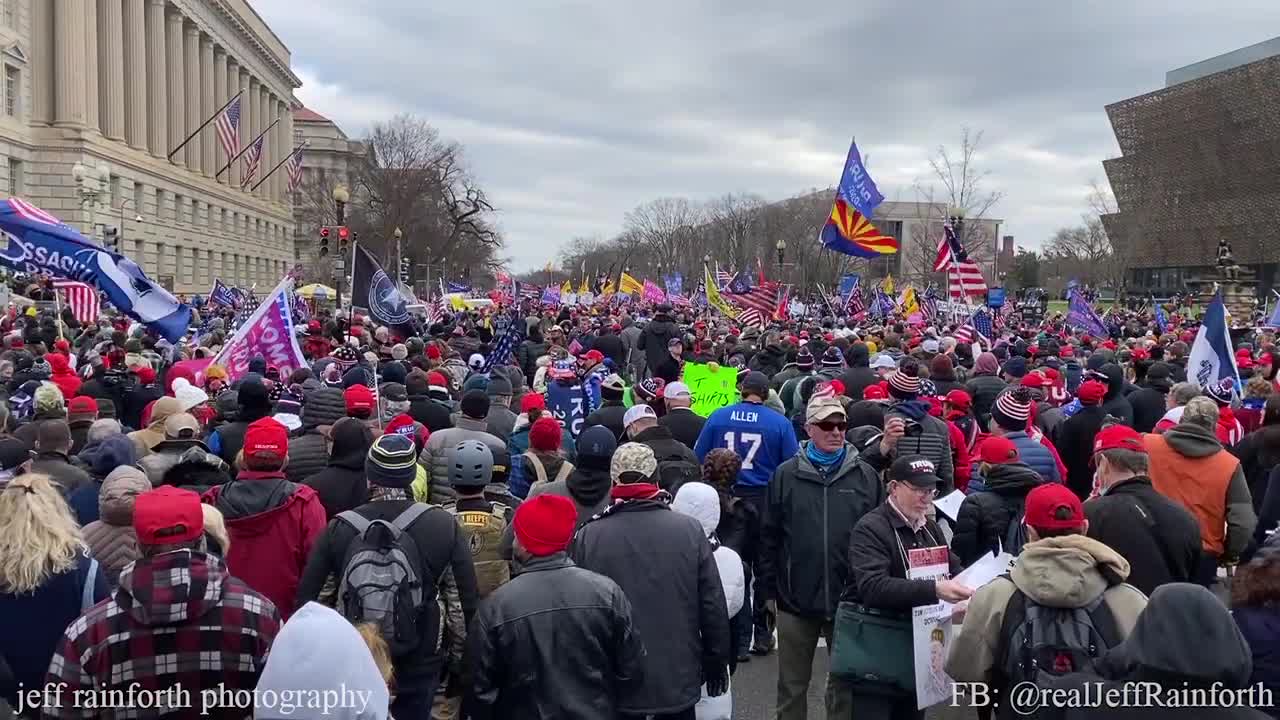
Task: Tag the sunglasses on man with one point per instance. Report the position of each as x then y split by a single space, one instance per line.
829 425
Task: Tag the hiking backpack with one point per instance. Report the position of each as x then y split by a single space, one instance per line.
1039 642
1015 536
381 580
484 535
674 470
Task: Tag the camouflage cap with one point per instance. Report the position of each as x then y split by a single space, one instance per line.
633 457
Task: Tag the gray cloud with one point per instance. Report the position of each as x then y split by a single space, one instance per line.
572 112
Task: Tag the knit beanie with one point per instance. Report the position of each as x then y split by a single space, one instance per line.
1015 367
391 462
832 359
1012 409
904 383
544 524
596 446
544 434
804 359
474 404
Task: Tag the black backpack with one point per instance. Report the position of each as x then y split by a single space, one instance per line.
675 470
1015 536
1039 642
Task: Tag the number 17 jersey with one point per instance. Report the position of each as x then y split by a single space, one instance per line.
763 438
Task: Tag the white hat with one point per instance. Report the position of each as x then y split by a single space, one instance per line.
676 390
476 361
635 412
883 360
291 422
187 394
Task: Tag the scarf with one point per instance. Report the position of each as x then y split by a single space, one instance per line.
377 492
636 491
823 459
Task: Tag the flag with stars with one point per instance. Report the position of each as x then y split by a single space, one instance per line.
501 353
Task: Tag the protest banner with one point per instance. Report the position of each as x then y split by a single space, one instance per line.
268 332
711 389
930 628
567 404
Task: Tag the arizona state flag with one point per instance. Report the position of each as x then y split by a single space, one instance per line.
848 229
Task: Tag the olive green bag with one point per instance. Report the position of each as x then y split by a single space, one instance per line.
873 647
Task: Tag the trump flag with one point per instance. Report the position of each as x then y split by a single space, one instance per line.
848 229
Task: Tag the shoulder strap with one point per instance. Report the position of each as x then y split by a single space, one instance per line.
1015 613
1154 526
411 513
1104 620
355 520
90 584
538 469
566 467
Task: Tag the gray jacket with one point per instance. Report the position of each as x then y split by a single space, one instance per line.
435 456
635 356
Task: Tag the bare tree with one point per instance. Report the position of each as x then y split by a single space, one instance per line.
964 188
735 217
665 228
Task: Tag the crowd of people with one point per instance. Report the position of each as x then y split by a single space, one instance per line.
410 520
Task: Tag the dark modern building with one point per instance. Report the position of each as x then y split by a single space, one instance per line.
1200 162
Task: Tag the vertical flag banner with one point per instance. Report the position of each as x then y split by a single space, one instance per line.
1211 360
848 282
964 277
40 243
1080 314
228 128
294 168
252 160
629 285
848 229
714 299
267 332
374 291
82 298
653 293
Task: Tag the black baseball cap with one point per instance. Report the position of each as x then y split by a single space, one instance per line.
755 383
916 470
13 452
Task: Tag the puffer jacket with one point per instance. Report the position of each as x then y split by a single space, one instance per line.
654 339
769 360
933 441
983 521
435 455
1031 452
111 539
307 453
984 389
171 452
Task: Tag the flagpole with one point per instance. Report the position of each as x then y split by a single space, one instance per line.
204 125
286 159
57 302
245 149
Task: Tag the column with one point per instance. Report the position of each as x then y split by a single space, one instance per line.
221 96
264 118
90 70
157 80
135 73
191 85
111 49
42 62
233 86
69 62
286 147
251 100
176 94
287 112
207 106
247 117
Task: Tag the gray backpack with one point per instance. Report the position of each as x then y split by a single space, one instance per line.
381 581
1038 642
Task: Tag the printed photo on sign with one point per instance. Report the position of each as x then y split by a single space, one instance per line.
930 628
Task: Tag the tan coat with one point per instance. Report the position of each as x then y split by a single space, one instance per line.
111 539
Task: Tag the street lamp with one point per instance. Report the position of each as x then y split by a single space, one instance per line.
782 251
341 196
957 221
91 184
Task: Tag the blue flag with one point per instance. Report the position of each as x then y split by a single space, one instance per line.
40 243
1162 320
848 282
222 294
1080 314
501 352
674 283
459 287
740 284
982 323
1211 360
856 186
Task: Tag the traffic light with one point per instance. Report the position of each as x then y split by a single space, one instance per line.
111 237
324 241
344 240
404 270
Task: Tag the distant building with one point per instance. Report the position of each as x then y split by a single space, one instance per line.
1200 161
326 162
918 228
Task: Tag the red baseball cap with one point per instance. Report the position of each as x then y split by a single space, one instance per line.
1091 392
875 392
997 450
266 439
168 515
82 405
1053 506
1118 437
1066 351
960 399
531 401
1034 380
358 398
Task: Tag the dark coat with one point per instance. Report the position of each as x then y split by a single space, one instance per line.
808 519
562 620
663 562
654 338
1259 453
432 413
1261 628
1115 403
857 379
769 360
59 468
1159 537
1148 405
877 566
685 425
984 389
666 449
609 415
612 347
342 485
1075 447
984 517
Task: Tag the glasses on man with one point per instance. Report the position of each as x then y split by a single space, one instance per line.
921 492
830 425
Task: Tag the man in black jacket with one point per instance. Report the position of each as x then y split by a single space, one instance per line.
1149 400
677 464
570 623
655 337
1158 536
611 410
663 562
685 425
859 375
610 345
309 452
442 547
1115 402
813 501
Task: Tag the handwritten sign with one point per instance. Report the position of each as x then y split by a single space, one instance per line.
711 389
567 404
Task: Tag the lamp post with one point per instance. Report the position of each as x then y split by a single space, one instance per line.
91 184
340 199
397 234
781 247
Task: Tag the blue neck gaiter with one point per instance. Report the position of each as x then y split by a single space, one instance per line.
824 459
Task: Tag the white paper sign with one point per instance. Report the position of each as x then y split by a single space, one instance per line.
930 629
950 504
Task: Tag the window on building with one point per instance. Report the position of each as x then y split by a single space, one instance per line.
15 176
12 90
137 199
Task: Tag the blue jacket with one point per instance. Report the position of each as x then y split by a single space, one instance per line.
1261 628
762 437
1037 456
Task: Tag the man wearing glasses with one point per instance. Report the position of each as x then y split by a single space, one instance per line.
813 502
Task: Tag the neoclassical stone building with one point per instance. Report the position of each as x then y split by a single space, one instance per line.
122 83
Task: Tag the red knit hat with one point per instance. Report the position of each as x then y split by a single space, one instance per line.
145 374
1053 506
544 524
433 352
532 401
1091 392
544 434
266 439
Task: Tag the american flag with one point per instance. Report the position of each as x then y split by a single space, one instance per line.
964 277
247 308
294 168
753 316
501 352
82 298
723 278
228 126
30 212
252 160
763 298
930 305
1002 318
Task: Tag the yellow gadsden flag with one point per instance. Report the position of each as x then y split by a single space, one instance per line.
630 285
887 285
713 296
566 287
908 301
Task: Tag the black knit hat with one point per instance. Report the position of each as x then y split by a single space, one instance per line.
391 462
474 404
1012 409
804 359
596 446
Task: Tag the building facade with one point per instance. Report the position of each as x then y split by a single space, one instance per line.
326 163
122 83
1199 162
918 228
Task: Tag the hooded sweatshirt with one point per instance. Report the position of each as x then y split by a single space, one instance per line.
1189 465
342 485
111 539
303 659
1114 402
984 517
1058 572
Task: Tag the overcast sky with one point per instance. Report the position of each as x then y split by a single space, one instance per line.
574 111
